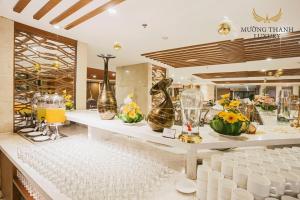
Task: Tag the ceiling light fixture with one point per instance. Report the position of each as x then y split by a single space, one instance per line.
112 11
56 27
117 46
263 70
224 28
268 59
192 60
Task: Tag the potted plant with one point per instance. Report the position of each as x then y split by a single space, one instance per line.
130 112
230 121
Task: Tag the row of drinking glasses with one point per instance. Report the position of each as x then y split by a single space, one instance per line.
84 169
256 173
34 193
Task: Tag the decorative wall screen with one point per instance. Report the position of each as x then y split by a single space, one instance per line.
43 62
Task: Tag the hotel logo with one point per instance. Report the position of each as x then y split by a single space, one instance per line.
267 19
267 30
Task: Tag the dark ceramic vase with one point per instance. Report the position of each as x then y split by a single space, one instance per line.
163 115
107 103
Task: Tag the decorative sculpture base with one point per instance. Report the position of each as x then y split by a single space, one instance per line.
187 138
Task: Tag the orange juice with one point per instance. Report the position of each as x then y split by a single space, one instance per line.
41 114
55 115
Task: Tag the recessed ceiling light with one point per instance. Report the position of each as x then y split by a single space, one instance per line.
263 70
127 71
268 59
191 60
217 76
56 27
112 11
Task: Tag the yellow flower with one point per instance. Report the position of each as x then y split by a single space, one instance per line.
231 118
241 117
225 96
126 109
221 101
234 103
222 114
132 114
133 104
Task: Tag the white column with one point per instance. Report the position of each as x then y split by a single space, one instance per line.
137 80
81 75
296 90
208 91
261 89
6 74
278 88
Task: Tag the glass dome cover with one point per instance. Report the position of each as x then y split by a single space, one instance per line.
191 103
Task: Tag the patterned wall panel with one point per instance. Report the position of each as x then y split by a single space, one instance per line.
44 63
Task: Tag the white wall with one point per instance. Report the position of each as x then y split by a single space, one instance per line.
135 79
6 74
208 91
81 75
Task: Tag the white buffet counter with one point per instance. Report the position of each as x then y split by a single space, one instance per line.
9 144
267 136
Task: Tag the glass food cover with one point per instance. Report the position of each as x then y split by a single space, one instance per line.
191 104
284 106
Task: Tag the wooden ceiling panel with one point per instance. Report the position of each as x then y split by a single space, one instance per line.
20 5
259 81
93 13
230 51
243 74
45 9
78 5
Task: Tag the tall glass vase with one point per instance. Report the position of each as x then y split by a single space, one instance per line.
191 104
107 103
284 106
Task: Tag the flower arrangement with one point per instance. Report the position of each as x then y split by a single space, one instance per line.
130 112
230 121
69 104
265 102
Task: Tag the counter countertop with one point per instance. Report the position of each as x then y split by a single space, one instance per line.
266 134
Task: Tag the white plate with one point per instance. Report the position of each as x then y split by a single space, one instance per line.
41 138
36 133
185 186
26 130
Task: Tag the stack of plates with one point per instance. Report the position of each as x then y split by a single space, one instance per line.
41 138
26 130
